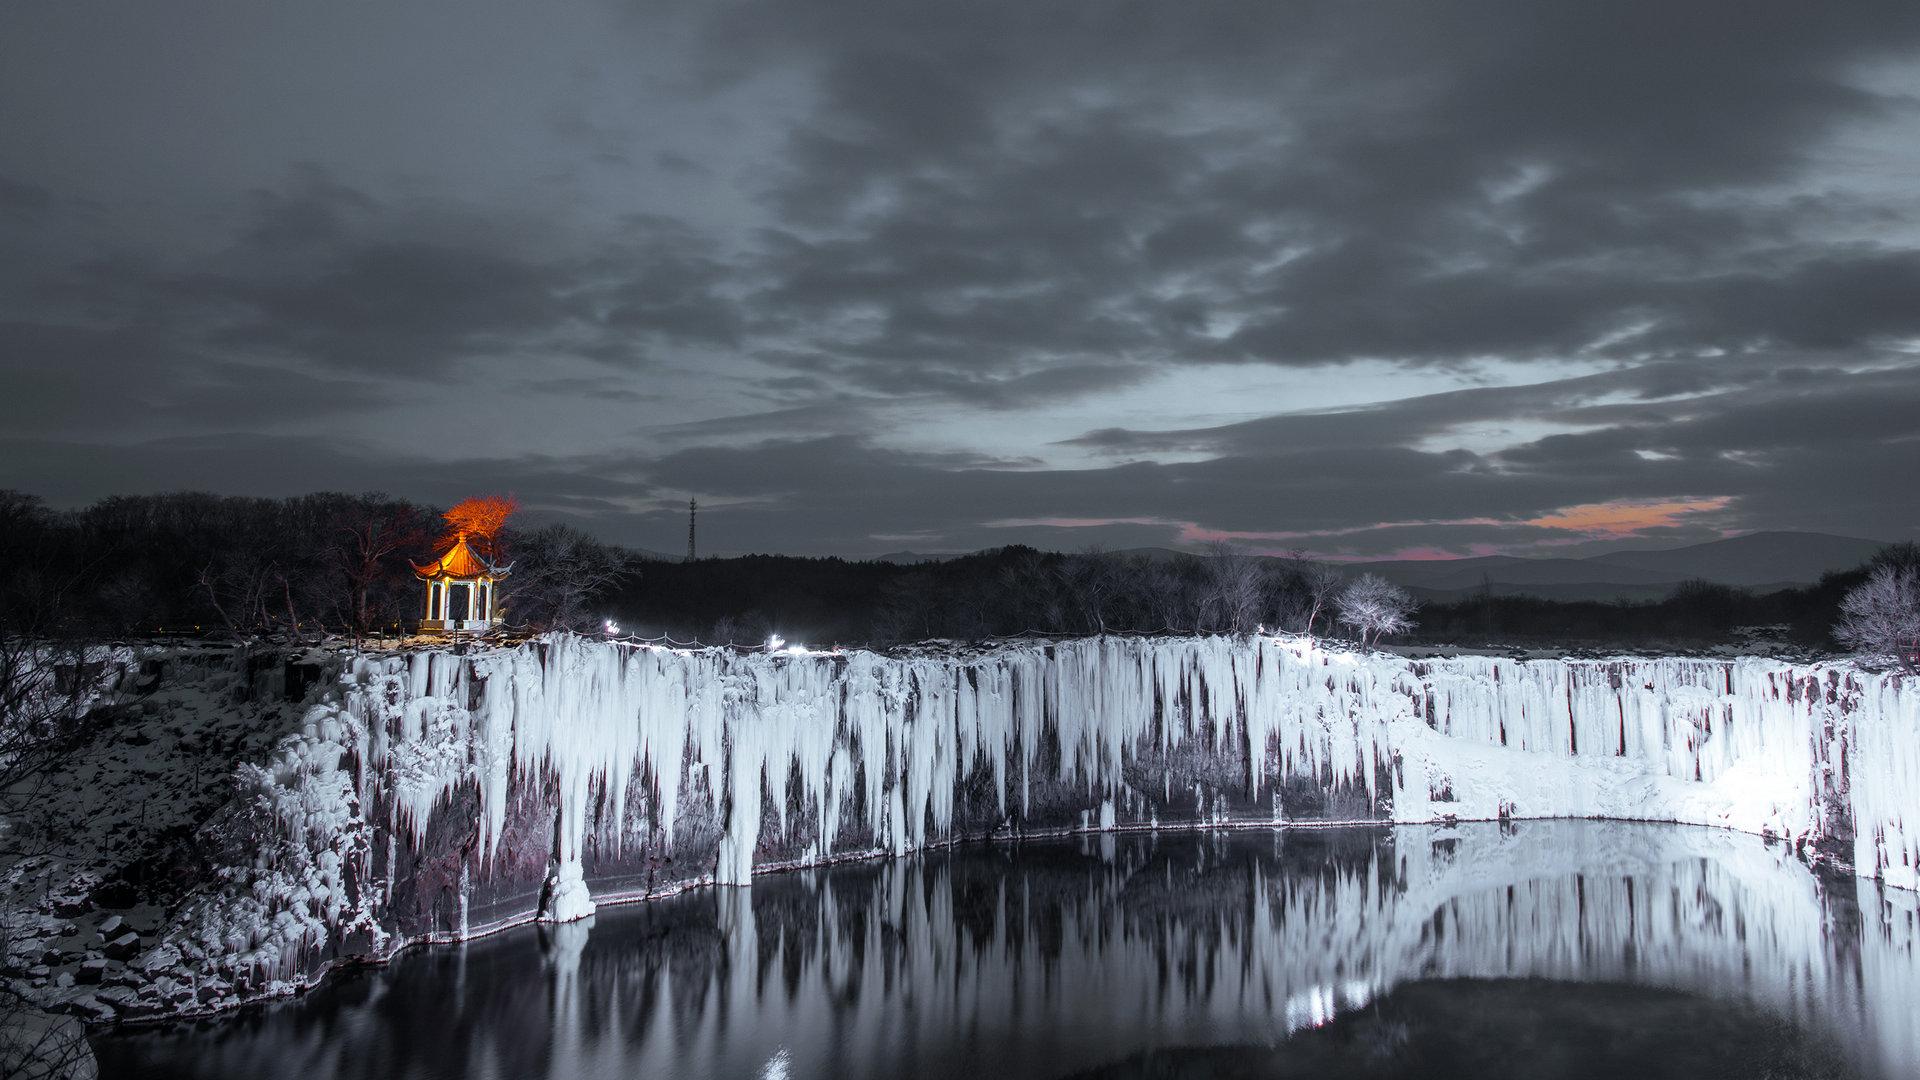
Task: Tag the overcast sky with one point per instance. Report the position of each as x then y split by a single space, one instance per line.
1361 278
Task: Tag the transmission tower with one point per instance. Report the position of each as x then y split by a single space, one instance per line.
693 508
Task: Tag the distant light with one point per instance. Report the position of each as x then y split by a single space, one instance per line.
775 643
612 627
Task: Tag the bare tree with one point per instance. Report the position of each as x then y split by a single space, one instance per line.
558 571
1236 589
47 688
905 613
261 566
1048 600
1882 615
1090 581
37 1045
1375 607
1160 593
369 532
1314 585
237 590
1323 585
748 628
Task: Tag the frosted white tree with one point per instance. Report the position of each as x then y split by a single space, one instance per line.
1374 607
1882 615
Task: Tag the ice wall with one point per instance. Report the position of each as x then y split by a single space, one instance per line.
514 780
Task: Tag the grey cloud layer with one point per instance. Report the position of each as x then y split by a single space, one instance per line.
1006 208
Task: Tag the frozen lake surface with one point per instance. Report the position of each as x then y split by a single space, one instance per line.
1540 949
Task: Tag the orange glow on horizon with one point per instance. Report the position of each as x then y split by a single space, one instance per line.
1625 518
1618 519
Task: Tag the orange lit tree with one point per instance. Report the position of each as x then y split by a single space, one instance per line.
481 518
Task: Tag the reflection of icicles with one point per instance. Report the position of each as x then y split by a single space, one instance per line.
1138 941
737 921
1890 967
564 944
1053 956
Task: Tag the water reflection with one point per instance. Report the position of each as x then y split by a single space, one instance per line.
1175 954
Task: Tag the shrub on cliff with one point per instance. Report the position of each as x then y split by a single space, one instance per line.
1375 607
1882 615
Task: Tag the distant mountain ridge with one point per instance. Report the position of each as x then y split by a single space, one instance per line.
1760 558
909 557
1760 561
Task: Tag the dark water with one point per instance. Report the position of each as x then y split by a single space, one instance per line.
1550 949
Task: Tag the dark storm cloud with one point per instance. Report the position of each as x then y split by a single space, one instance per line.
922 226
240 462
1825 454
62 378
22 199
821 418
980 387
1006 183
391 304
1775 415
903 492
574 389
326 275
770 495
1409 420
1776 449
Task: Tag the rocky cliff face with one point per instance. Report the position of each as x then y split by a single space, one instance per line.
429 795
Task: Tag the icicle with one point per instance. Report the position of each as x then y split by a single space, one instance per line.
624 735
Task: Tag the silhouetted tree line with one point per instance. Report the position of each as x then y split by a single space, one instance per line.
1695 613
307 565
338 563
999 593
1017 590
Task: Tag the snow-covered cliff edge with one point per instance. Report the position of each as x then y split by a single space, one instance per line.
431 795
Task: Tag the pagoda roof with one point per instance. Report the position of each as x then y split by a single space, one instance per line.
461 561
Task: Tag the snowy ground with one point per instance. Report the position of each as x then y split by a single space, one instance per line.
84 920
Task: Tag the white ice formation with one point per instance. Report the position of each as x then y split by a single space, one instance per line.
1748 744
801 757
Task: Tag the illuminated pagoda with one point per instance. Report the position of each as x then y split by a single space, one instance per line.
460 589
